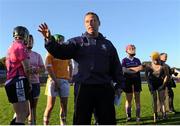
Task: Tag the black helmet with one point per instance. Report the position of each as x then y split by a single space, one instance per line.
21 32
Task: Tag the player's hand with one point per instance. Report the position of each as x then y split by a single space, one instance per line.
43 29
33 70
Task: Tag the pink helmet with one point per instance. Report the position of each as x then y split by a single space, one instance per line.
130 46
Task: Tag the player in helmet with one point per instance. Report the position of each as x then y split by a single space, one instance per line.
57 84
36 68
157 78
17 84
22 33
171 84
131 68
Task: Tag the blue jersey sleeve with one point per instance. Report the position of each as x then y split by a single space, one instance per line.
124 62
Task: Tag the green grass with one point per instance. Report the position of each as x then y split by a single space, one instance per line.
6 111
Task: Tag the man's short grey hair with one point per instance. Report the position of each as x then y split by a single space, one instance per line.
94 14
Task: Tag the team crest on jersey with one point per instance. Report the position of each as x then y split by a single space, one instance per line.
104 47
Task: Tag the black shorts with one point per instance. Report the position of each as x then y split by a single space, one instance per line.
35 92
17 90
129 83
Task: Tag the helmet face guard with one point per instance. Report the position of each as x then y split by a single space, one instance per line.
21 32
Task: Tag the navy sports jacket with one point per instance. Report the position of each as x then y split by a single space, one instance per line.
97 58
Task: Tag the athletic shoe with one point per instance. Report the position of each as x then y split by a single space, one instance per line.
164 116
128 119
173 111
156 118
138 119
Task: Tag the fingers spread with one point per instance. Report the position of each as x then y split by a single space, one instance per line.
45 25
39 30
41 26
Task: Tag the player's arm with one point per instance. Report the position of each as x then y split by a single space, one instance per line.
70 69
167 75
41 67
50 69
26 66
136 69
51 73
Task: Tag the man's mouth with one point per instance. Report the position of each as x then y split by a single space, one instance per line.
91 28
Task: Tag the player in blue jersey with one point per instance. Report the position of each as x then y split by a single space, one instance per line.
131 69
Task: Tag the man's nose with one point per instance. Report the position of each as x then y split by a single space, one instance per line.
91 23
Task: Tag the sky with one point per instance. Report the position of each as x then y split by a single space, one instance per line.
151 25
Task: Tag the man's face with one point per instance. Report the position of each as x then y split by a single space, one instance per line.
163 57
91 24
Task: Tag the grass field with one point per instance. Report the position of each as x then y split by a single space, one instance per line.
6 112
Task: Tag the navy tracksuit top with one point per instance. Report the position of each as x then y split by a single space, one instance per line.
97 58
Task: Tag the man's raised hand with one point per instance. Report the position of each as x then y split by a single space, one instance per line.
43 29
